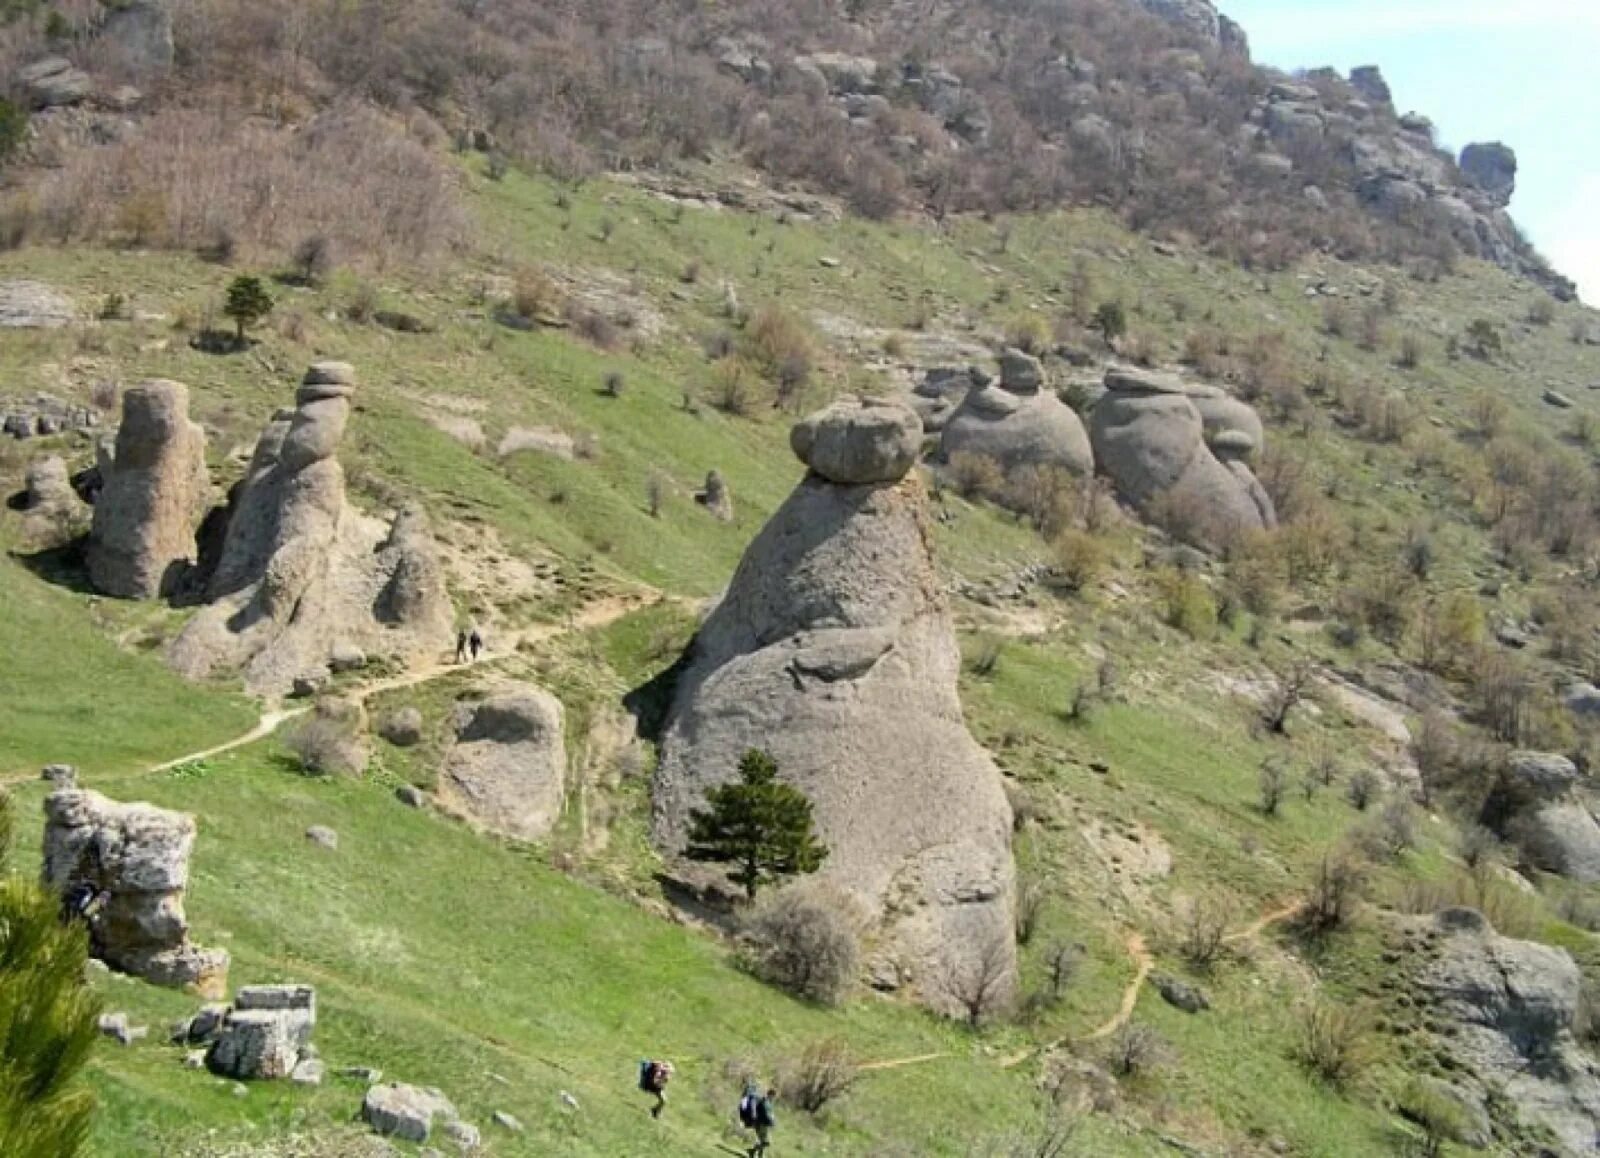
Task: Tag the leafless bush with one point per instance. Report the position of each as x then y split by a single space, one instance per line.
1360 789
806 942
326 746
535 295
974 475
1031 898
313 259
1335 1041
190 176
978 978
655 493
1062 960
613 384
1202 930
593 326
1272 782
823 1073
1137 1049
1289 687
1335 885
732 390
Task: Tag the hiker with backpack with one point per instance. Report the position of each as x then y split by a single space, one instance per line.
755 1113
653 1079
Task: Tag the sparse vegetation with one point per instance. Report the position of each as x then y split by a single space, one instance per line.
806 942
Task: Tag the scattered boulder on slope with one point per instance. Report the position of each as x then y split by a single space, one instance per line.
139 855
1151 439
1492 169
32 305
1017 423
52 511
506 769
266 1034
153 496
397 1110
833 649
1510 1007
1544 807
716 498
300 571
54 82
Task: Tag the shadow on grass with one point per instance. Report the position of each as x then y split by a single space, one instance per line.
65 566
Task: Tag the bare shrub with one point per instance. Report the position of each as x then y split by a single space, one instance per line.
1335 1041
1031 898
1272 783
1289 687
780 344
1410 356
732 390
193 175
593 326
1511 911
1062 960
978 979
327 746
1361 788
1335 885
655 493
986 656
1046 495
1202 928
613 384
536 296
1080 559
823 1073
974 475
313 259
805 941
1137 1049
1392 832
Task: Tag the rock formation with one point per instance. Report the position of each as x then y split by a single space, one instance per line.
154 495
1542 806
1018 423
265 1035
1180 452
507 767
940 393
716 498
833 649
30 305
1492 169
1511 1007
139 855
300 572
139 36
51 509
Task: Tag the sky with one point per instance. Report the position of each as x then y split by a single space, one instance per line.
1525 72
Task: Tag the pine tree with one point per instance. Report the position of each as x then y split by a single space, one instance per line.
758 824
47 1021
248 302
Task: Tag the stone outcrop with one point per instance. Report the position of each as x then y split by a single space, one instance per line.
716 498
1511 1007
1543 806
300 572
397 1110
1368 80
1180 452
1018 423
139 35
138 855
32 305
940 393
833 649
1195 18
153 496
265 1035
51 509
506 769
1492 169
54 82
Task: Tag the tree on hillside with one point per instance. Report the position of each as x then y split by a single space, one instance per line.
248 302
47 1021
758 824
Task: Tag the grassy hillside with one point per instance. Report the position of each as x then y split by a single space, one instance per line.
506 975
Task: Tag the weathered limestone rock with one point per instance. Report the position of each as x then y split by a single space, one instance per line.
54 82
140 35
716 498
266 1034
402 728
300 572
1150 438
1017 425
858 442
1511 1006
507 767
833 649
1545 808
397 1110
1492 169
155 492
52 511
139 855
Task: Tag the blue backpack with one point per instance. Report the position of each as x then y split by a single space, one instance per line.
644 1076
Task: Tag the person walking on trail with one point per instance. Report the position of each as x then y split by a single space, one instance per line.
461 646
653 1079
755 1113
82 902
475 640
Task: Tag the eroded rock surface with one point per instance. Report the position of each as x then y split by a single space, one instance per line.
301 572
138 855
266 1034
1018 423
833 649
155 492
507 768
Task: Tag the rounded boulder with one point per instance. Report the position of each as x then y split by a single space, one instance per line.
859 442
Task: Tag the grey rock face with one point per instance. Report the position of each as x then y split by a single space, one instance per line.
139 855
1180 994
155 493
51 508
1016 430
859 442
266 1034
1512 1005
833 649
1197 18
507 767
1150 438
1368 80
397 1110
841 73
1492 168
140 33
300 570
32 305
54 82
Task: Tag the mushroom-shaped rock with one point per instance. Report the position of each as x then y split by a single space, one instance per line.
1020 373
833 649
507 767
1018 429
137 855
1149 438
155 491
856 442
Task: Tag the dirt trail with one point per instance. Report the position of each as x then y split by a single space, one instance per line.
591 616
1264 922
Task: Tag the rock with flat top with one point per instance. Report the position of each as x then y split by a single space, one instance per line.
858 442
